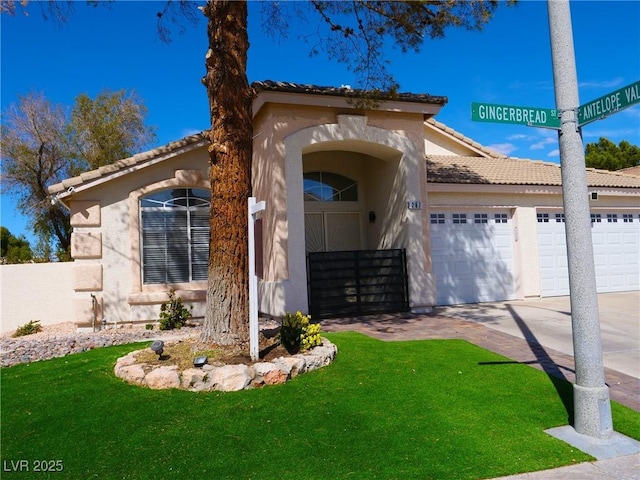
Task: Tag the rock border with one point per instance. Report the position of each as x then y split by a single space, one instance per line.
227 378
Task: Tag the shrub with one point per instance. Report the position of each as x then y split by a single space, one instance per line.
310 336
28 328
296 333
173 314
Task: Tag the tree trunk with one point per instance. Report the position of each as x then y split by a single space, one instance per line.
227 312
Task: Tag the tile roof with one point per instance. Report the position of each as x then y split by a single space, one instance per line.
493 168
464 139
514 171
346 91
631 170
188 143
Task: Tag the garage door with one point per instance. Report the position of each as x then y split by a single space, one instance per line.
472 254
616 247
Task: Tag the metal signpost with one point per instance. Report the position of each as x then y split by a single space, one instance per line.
592 409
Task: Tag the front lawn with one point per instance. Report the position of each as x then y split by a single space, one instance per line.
438 409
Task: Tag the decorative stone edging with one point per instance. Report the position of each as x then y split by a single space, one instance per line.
227 378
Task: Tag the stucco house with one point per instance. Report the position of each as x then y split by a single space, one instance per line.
464 224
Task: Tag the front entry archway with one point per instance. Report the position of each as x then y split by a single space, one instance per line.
399 176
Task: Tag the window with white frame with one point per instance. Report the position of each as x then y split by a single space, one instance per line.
480 218
329 187
175 235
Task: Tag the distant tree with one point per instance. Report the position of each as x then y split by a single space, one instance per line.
35 154
43 145
109 127
14 249
606 155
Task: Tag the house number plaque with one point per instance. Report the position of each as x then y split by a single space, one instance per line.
414 205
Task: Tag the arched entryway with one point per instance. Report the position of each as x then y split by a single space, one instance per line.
386 170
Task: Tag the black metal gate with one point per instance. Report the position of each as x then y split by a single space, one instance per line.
357 282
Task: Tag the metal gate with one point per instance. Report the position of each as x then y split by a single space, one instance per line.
357 282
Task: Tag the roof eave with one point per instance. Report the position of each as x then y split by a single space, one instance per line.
427 109
64 190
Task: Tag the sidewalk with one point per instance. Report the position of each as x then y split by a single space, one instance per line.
623 388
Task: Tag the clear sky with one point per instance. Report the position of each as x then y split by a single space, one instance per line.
509 62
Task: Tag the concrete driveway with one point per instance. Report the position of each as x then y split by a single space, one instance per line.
547 321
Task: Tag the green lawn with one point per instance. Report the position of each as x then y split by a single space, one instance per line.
439 409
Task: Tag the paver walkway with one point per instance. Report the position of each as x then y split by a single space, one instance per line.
623 388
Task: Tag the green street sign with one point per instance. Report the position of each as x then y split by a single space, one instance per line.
530 116
610 103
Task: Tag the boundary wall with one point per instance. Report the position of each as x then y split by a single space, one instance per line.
36 291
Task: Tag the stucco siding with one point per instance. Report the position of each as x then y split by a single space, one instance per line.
39 291
437 143
118 229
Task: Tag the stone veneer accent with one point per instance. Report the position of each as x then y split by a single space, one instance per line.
227 378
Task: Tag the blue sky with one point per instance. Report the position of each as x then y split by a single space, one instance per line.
509 62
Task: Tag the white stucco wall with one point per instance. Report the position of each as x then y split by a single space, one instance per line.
123 298
39 291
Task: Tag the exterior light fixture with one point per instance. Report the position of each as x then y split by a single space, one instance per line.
372 217
158 348
199 361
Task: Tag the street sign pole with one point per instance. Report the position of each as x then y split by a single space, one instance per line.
592 408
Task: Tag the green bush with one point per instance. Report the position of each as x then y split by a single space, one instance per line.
28 328
296 333
173 314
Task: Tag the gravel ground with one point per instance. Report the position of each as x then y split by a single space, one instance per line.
64 339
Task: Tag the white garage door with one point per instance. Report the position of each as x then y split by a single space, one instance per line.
472 254
616 252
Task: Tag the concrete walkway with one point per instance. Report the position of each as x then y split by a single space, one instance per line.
538 333
547 321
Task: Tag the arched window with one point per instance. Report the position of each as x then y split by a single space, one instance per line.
175 235
329 187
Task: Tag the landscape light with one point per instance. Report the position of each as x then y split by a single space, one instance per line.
157 347
199 361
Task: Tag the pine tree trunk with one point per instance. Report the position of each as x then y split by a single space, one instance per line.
227 312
